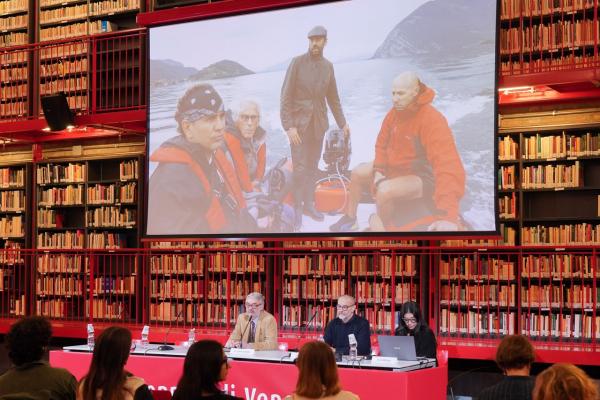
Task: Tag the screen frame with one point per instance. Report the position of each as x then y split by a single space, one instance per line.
200 12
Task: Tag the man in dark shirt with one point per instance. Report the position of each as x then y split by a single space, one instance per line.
346 323
514 356
308 88
31 377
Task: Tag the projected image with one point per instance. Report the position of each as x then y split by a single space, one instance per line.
341 118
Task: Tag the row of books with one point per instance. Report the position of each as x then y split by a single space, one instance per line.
554 62
549 36
546 296
59 173
14 22
60 51
61 196
113 6
59 286
507 206
61 240
531 8
14 109
78 83
177 264
50 219
238 263
557 266
64 67
13 91
177 288
168 311
12 226
12 200
483 295
316 264
367 292
552 176
577 234
383 265
556 146
237 290
110 217
313 289
298 316
76 29
106 240
63 14
128 170
485 269
61 263
13 39
156 244
17 306
508 148
13 74
507 178
560 326
105 194
77 102
114 285
108 309
13 6
477 322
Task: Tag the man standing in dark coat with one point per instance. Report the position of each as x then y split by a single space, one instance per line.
309 84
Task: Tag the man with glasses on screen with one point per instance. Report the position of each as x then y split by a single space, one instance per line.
194 189
417 178
308 88
346 323
256 328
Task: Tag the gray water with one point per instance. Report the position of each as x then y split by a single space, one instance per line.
465 96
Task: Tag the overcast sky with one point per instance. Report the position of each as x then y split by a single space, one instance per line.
258 41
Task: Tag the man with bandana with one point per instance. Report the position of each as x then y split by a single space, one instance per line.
417 175
194 189
308 88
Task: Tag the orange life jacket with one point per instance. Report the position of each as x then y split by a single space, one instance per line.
215 215
237 154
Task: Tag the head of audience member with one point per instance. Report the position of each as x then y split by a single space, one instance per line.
318 374
317 39
204 367
514 355
200 117
411 319
106 373
564 382
28 339
405 89
248 118
255 304
346 306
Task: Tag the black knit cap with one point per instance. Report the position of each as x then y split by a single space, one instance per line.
198 102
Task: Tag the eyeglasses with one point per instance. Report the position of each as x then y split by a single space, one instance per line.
249 118
409 320
343 307
253 305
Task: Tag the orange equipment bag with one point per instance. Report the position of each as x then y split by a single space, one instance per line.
331 195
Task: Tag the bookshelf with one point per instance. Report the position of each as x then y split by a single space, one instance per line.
82 205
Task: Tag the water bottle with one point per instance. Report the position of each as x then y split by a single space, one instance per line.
144 341
353 356
191 337
90 337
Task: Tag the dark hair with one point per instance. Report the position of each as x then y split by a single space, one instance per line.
27 339
412 308
564 382
318 374
201 370
107 373
514 352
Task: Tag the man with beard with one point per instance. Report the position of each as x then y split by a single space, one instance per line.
308 88
417 172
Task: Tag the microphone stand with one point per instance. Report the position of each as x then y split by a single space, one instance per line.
248 318
310 320
165 346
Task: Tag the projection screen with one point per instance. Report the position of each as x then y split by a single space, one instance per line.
348 118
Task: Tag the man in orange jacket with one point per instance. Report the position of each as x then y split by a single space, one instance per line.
416 164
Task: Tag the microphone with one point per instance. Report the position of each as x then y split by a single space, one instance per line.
165 346
310 320
246 328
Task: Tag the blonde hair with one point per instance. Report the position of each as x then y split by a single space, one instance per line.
564 382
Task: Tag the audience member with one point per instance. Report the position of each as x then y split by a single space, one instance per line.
564 382
412 324
256 328
514 357
205 366
107 378
318 375
30 377
346 323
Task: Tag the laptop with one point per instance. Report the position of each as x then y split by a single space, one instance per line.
401 347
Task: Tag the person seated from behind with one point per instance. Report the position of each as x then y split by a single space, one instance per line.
318 375
412 324
256 328
204 367
107 378
346 323
416 161
564 382
31 377
514 357
245 141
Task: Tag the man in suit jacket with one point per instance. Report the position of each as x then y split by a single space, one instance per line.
256 328
308 88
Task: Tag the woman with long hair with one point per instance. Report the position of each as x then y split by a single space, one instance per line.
107 378
205 366
564 382
318 375
412 324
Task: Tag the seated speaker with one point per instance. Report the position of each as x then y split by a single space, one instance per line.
57 112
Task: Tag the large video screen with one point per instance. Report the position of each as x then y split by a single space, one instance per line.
361 117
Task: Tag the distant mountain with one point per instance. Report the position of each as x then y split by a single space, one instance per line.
170 71
447 29
221 69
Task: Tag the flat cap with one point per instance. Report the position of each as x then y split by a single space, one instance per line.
317 31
